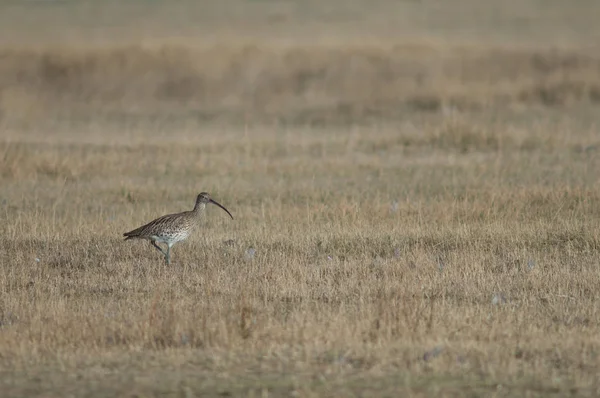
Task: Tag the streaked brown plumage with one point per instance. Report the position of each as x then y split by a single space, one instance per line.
173 228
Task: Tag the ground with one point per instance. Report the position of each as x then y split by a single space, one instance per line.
414 186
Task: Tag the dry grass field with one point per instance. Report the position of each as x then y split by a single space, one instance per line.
415 187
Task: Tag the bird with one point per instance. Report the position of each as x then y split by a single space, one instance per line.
173 228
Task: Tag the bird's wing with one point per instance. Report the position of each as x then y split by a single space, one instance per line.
155 225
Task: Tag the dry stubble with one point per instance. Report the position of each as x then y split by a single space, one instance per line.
413 218
372 261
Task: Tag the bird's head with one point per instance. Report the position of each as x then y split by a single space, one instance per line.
204 198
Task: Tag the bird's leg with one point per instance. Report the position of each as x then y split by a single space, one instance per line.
158 247
168 254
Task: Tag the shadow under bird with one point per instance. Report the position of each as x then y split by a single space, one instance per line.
173 228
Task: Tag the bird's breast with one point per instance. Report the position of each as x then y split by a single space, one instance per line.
171 236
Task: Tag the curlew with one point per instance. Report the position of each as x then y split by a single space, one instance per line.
173 228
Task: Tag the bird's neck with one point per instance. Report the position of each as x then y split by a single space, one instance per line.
199 208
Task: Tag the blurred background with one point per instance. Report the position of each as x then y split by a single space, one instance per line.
290 62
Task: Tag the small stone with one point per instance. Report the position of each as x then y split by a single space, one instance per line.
530 264
440 263
185 340
433 353
229 242
250 253
498 299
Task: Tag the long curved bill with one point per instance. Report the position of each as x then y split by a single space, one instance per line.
218 204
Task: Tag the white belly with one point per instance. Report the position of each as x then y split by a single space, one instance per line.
170 239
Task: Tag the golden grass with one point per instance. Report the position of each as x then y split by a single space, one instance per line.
381 263
410 219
